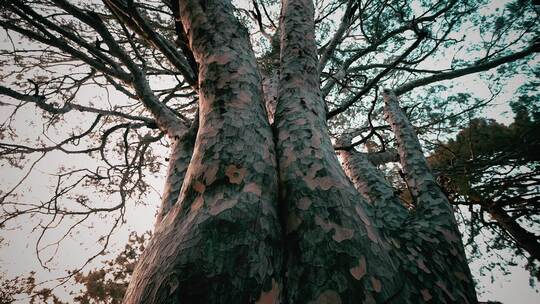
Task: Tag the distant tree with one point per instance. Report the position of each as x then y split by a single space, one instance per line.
494 171
104 285
108 285
19 287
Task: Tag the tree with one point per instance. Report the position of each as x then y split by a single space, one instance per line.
493 170
109 284
256 206
106 284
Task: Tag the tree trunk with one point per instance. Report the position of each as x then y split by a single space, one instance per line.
256 216
525 239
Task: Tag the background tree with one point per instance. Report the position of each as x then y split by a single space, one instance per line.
188 71
493 171
105 284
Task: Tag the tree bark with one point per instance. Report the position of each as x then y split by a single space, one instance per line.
431 248
220 243
262 217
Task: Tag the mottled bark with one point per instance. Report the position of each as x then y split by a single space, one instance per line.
221 242
334 251
179 158
370 182
432 252
225 236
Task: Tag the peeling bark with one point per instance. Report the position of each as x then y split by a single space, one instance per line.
331 241
367 179
221 242
225 236
432 252
179 158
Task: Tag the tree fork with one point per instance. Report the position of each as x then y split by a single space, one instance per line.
222 241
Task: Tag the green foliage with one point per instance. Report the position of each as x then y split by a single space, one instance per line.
474 161
494 169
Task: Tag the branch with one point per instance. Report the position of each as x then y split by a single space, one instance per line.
336 40
132 18
370 181
431 200
411 25
166 119
39 100
480 67
376 79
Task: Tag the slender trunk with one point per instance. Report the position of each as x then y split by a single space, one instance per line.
522 237
179 157
434 258
370 182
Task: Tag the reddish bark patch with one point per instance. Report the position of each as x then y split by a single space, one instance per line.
363 215
197 203
253 188
283 135
426 295
423 266
210 173
290 157
327 297
222 205
341 233
244 97
316 141
359 271
235 174
304 203
372 234
325 183
377 285
270 297
220 59
322 223
199 187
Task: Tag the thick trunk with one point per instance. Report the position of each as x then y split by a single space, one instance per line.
224 235
220 243
331 241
